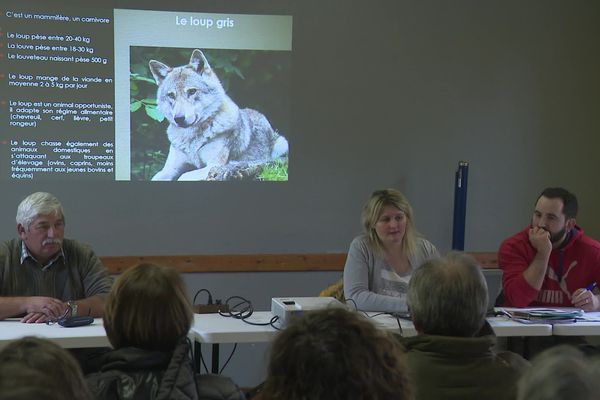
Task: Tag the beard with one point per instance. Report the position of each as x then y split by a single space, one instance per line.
557 237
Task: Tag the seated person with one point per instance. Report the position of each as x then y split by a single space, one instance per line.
335 354
381 261
147 318
562 372
450 358
15 383
551 263
44 276
36 368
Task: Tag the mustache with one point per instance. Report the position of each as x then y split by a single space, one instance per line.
52 241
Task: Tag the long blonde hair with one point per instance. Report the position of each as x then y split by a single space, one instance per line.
372 211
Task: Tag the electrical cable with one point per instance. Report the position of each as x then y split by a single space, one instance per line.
203 363
210 298
353 303
241 310
228 359
192 354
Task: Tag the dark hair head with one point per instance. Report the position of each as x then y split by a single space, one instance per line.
448 296
148 308
570 205
335 354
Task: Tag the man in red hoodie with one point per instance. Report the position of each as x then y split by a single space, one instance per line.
551 262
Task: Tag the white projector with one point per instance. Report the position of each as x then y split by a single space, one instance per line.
288 308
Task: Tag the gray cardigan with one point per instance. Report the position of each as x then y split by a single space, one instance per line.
362 275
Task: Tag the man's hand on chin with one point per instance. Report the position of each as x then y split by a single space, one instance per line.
540 240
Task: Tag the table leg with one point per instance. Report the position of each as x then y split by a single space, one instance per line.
197 357
215 358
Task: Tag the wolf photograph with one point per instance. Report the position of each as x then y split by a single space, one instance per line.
215 116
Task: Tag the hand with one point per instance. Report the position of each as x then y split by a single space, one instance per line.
49 306
540 240
35 317
586 300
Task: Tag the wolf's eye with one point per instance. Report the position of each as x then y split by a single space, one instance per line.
192 91
171 95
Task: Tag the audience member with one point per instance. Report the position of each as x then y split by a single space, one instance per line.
452 357
381 261
148 316
44 276
38 368
562 372
16 379
551 262
335 354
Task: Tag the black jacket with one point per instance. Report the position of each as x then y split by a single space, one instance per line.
130 373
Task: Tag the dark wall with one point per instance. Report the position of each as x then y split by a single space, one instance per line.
387 94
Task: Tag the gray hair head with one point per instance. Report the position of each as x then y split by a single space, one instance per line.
561 372
448 296
39 203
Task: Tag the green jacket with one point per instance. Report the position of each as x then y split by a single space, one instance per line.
77 275
444 367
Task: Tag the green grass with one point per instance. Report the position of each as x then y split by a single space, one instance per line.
275 171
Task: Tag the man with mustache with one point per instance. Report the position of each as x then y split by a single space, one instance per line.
44 276
551 262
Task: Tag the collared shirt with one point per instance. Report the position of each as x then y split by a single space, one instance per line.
26 254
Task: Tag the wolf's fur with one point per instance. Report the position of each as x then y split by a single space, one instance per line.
211 137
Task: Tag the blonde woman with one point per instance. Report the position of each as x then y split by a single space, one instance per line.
382 259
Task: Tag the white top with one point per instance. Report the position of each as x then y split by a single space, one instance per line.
92 335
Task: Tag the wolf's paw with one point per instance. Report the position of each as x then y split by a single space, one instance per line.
234 171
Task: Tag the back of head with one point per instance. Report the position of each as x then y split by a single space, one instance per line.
39 203
372 210
19 381
335 354
560 372
448 296
148 308
569 200
43 361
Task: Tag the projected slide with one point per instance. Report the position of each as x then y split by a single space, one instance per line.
122 94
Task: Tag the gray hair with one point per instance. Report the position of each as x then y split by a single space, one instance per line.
39 203
560 372
448 296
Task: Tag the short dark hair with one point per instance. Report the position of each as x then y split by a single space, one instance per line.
570 205
335 354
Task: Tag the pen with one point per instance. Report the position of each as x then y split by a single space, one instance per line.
591 286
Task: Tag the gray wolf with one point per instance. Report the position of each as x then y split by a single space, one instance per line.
211 137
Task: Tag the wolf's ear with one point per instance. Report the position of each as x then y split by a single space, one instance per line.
159 70
198 62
